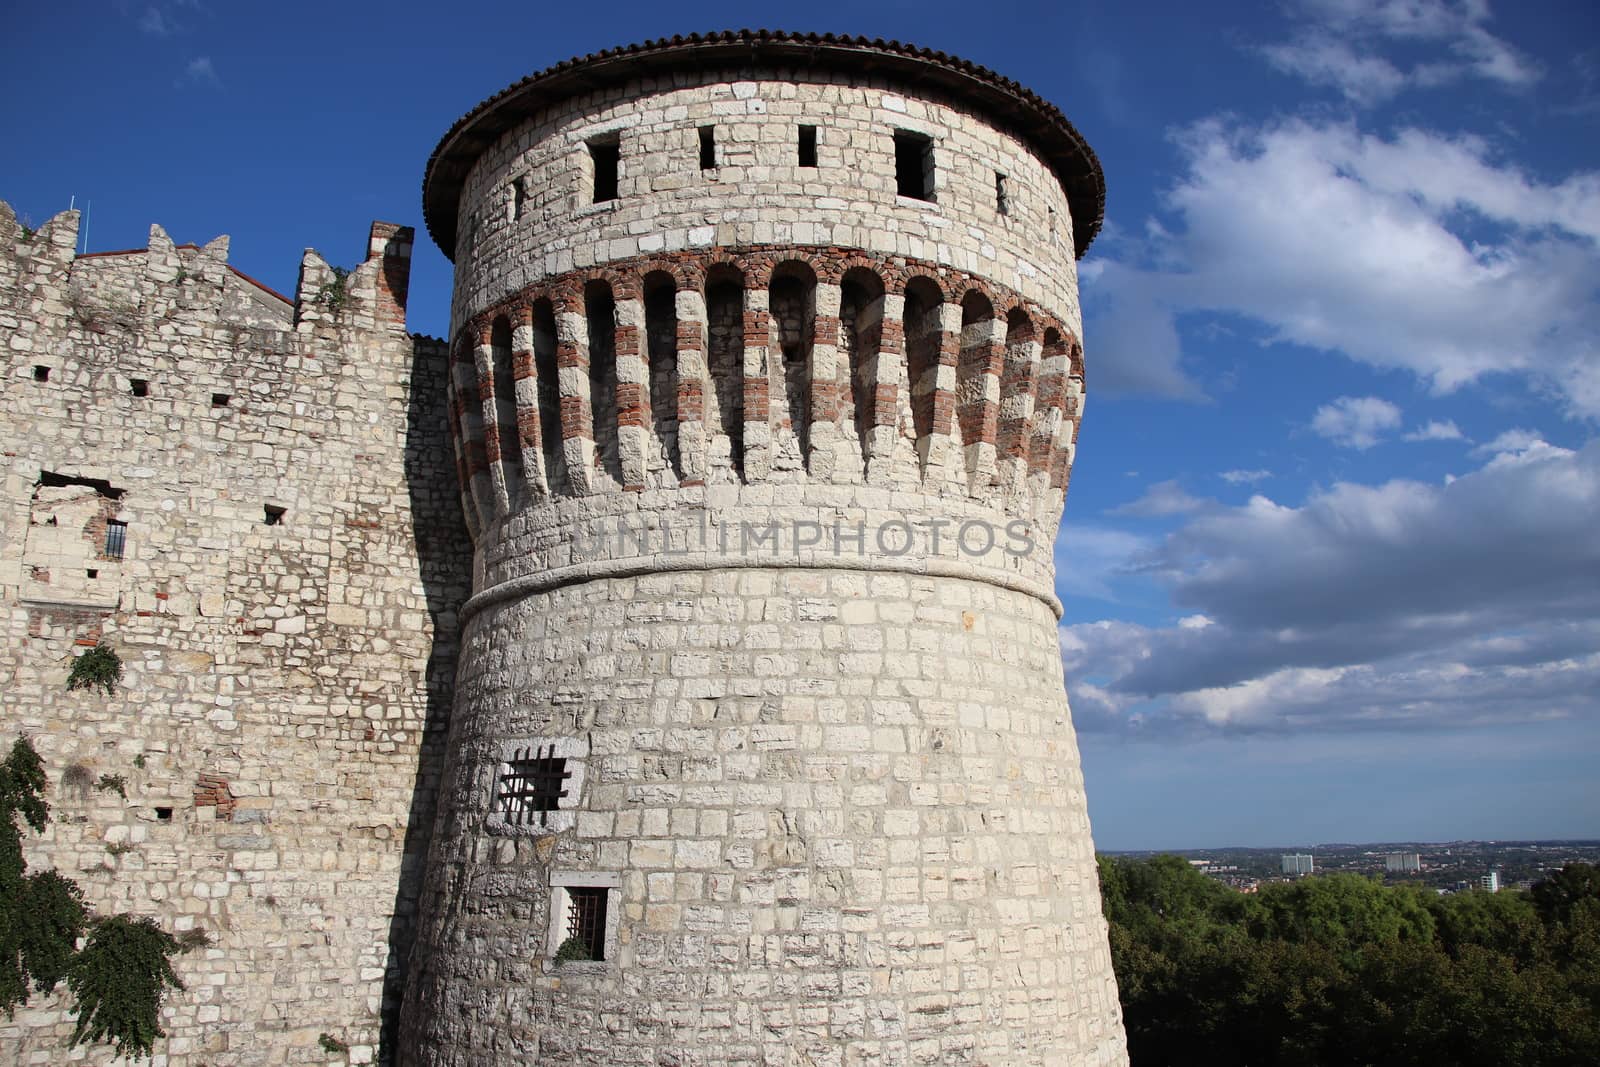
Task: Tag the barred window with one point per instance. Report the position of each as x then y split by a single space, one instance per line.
586 918
116 539
533 784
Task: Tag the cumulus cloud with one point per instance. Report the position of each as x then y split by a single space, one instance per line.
1356 421
1340 45
1419 252
1437 430
1161 500
1399 604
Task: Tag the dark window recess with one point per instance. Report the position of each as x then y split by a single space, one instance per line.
92 573
220 400
533 786
519 197
116 539
1002 195
808 146
274 515
41 374
163 814
913 165
139 387
586 918
605 157
708 147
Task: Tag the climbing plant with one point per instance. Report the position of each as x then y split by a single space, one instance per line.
123 971
98 668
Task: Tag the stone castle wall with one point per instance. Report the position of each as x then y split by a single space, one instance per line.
292 558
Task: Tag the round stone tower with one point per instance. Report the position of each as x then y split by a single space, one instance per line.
766 383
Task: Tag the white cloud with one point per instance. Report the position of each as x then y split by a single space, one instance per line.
1088 557
1161 500
154 23
1418 252
201 71
1356 421
1469 602
1437 430
1510 442
1243 477
1340 44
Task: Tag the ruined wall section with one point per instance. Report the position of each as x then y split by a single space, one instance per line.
252 501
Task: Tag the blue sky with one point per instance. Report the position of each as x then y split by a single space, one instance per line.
1332 553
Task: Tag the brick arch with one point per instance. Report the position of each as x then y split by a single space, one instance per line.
888 274
938 279
682 272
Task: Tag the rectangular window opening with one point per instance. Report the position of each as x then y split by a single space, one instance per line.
808 146
273 515
532 786
220 400
116 539
708 147
586 918
519 197
605 158
913 165
139 387
163 814
41 374
1002 195
92 572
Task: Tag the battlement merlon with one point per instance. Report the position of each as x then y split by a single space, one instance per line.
372 296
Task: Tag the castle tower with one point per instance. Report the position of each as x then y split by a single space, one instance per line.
766 381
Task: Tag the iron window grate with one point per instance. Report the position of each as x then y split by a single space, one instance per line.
533 784
586 918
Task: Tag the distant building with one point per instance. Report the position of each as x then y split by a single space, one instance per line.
1490 883
1299 863
1402 862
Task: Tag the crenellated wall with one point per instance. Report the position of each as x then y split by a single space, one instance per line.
250 499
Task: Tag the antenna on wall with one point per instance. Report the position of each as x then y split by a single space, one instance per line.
88 205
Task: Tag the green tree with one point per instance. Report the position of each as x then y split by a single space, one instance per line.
120 975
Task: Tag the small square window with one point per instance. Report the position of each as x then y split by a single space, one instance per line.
708 147
163 814
41 374
808 146
605 158
139 387
92 572
116 539
273 515
913 165
220 400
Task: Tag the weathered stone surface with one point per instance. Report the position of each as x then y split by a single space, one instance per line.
264 805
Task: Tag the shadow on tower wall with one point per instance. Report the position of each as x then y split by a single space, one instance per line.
444 558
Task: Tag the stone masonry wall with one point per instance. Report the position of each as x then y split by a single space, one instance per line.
758 194
292 558
842 813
